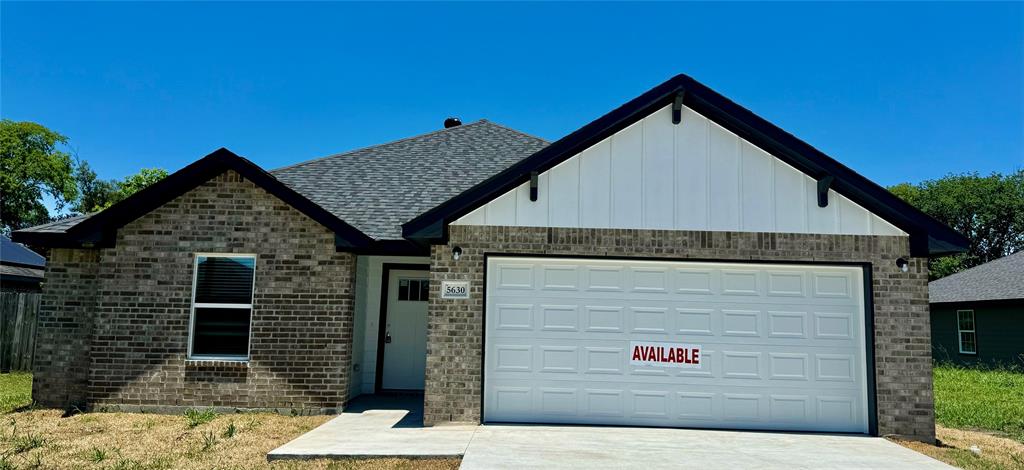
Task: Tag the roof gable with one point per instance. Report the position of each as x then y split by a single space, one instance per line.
691 176
99 229
927 236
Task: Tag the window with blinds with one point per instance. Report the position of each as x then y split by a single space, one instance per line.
222 306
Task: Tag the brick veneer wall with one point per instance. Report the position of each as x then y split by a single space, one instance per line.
902 334
64 329
300 351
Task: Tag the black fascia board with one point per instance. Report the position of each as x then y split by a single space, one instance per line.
100 229
928 236
394 248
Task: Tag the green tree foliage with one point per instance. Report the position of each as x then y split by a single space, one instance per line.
94 193
31 166
988 210
97 194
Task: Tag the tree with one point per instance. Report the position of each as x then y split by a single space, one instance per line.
31 166
988 210
97 194
94 193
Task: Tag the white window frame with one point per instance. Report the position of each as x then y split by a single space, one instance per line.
192 313
960 332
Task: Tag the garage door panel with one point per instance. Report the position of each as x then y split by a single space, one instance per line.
514 276
786 284
741 364
604 360
648 280
648 320
695 281
560 318
737 282
559 277
603 319
789 366
559 359
648 404
795 409
741 322
833 285
781 346
697 406
556 401
695 321
704 407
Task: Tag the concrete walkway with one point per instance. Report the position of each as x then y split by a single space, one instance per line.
377 426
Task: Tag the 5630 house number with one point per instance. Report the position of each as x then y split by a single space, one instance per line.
454 289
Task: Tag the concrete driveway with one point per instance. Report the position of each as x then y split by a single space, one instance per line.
393 427
592 447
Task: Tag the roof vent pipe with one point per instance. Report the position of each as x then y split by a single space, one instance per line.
452 122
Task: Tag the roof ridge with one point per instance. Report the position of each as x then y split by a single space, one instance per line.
359 149
517 131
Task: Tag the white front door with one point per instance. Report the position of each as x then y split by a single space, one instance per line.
666 343
405 338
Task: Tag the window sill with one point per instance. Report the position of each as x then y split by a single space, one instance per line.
212 362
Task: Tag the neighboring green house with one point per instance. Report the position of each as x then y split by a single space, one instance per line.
978 314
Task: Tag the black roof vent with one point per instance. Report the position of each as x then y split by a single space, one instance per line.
452 122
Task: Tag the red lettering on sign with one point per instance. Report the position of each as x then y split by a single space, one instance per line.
666 354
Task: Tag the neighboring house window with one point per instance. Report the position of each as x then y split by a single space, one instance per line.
965 331
222 306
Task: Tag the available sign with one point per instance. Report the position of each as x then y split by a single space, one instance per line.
646 353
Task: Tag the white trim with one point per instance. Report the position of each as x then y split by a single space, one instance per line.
216 305
202 358
192 309
960 332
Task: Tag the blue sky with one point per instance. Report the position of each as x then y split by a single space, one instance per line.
898 92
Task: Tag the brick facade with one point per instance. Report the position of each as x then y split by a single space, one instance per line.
300 351
64 329
902 344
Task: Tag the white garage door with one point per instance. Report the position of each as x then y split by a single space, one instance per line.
688 344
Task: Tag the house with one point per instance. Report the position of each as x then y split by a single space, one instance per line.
978 314
678 261
21 269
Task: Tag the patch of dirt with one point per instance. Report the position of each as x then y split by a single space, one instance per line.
954 448
44 439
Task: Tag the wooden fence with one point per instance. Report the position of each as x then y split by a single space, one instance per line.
18 311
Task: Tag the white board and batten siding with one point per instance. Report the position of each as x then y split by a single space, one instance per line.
692 176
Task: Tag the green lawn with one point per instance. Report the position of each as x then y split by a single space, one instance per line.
983 399
15 391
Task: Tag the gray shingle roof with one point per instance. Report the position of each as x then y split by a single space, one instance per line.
58 226
378 188
1001 279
